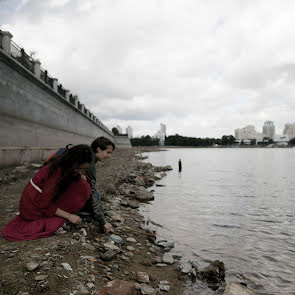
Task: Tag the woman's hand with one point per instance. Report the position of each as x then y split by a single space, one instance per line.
83 177
74 219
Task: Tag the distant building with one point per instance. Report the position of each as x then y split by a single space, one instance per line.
161 134
119 128
129 132
281 138
269 129
248 132
289 130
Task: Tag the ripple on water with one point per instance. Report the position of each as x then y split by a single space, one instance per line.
227 225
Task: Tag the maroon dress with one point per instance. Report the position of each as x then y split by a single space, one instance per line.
37 207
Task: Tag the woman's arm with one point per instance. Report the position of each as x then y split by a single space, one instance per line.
71 217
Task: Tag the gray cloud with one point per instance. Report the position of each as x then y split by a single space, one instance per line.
203 69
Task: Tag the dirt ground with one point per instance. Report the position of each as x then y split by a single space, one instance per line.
82 246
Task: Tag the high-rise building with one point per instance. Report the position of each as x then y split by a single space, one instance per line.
119 128
289 130
248 132
269 129
161 134
129 132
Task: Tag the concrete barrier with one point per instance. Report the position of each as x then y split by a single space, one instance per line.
34 115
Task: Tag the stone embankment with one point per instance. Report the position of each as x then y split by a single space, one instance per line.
83 261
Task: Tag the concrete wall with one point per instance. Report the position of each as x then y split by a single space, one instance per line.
122 142
33 115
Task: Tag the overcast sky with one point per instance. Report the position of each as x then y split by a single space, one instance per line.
203 68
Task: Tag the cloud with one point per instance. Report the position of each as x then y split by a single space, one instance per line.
204 68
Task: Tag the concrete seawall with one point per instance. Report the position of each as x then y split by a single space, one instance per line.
35 119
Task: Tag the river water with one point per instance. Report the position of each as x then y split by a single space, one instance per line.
234 205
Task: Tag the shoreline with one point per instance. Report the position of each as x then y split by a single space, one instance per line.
93 258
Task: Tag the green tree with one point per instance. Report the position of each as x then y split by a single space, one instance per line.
253 141
115 131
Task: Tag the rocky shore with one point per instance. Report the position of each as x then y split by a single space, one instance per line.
82 260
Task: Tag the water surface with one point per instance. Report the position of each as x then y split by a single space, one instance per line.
234 205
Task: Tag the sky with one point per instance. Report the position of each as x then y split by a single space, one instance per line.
203 68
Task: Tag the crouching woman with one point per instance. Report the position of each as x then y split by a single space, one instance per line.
56 191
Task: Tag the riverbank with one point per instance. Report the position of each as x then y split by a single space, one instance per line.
82 261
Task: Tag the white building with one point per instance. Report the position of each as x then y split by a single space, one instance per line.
119 128
129 132
269 129
289 130
279 138
161 134
248 132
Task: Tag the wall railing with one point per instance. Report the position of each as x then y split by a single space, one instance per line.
34 66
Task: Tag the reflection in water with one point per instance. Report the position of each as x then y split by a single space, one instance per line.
234 205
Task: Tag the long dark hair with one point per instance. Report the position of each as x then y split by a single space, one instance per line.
67 163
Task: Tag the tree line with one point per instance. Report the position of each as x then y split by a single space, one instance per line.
178 140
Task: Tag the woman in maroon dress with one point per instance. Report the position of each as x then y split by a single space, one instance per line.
56 191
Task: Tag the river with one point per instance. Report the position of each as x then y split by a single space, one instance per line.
235 205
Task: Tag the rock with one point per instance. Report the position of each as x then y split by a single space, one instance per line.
40 277
117 217
117 239
194 265
147 290
141 194
214 271
90 285
185 268
83 232
165 244
66 266
164 286
168 258
142 277
88 246
31 266
237 289
118 287
161 264
130 248
111 246
108 255
132 240
36 165
83 290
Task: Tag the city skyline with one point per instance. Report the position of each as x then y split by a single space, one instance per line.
202 68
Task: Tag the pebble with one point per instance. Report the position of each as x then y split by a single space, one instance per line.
90 285
88 246
142 277
147 290
108 255
40 277
83 231
31 266
111 246
168 258
130 248
131 240
66 266
161 264
117 239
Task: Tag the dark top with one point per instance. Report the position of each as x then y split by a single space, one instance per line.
93 204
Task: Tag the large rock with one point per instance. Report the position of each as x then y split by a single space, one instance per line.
237 289
118 287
